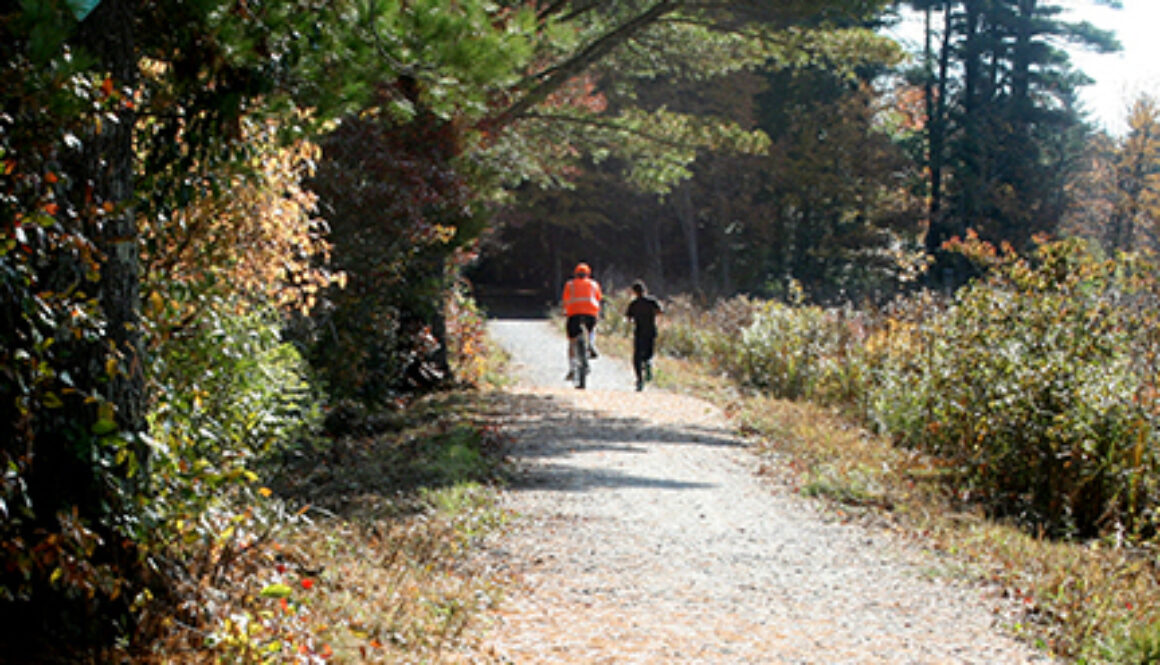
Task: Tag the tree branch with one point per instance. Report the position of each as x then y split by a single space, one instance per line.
553 78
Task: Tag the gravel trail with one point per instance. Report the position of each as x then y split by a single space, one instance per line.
644 536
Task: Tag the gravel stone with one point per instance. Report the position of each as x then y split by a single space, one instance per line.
643 535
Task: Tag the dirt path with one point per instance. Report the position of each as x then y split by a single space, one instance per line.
644 537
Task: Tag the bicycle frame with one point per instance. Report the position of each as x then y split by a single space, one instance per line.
580 359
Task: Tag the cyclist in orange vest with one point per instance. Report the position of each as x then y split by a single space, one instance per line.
581 299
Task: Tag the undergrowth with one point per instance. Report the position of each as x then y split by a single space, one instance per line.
355 550
1087 601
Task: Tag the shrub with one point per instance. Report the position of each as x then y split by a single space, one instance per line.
229 392
711 335
229 389
801 352
1141 647
470 352
1029 383
897 352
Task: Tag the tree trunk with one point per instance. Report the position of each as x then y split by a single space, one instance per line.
557 261
970 157
656 253
1021 65
686 215
726 254
108 160
935 90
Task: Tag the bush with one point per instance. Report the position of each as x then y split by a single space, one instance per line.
229 389
801 352
1036 385
470 353
790 351
898 350
1141 647
711 335
1030 382
229 392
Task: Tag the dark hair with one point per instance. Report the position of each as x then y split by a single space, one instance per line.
638 287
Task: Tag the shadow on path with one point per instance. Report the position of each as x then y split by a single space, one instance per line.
549 431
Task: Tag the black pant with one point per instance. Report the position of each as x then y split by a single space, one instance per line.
642 352
578 322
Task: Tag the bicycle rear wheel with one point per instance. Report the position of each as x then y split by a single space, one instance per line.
581 359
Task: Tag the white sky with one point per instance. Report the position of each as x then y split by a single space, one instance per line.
1119 77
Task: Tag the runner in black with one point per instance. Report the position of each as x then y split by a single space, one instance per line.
643 311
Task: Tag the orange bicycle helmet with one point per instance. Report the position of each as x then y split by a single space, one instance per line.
582 269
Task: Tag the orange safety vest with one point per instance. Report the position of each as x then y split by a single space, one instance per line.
582 296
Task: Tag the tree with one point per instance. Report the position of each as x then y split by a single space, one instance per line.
647 110
70 282
1135 218
398 208
842 184
672 42
1118 191
1002 125
109 117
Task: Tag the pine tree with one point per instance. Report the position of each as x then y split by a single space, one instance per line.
1003 128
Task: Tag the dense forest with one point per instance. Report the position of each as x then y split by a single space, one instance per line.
871 167
226 225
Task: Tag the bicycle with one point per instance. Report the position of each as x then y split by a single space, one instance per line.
579 369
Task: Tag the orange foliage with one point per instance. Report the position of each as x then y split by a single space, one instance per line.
579 92
911 107
260 237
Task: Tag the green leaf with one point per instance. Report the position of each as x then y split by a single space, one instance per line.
276 591
104 426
